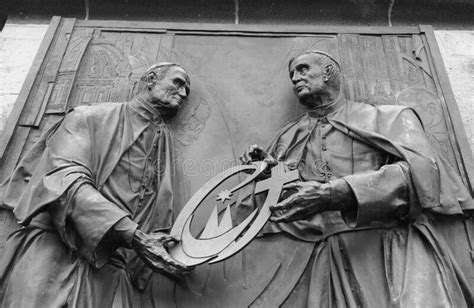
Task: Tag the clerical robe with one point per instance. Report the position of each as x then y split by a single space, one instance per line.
383 253
104 170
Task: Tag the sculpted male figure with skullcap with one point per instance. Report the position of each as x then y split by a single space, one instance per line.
370 182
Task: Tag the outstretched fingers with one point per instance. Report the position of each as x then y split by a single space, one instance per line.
166 239
291 215
292 186
164 262
165 257
284 205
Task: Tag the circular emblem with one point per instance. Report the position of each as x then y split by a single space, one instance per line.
216 241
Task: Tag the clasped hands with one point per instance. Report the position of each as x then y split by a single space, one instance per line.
302 199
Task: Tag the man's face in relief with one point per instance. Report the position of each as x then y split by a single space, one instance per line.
169 93
307 77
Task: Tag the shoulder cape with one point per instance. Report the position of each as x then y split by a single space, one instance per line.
86 145
398 131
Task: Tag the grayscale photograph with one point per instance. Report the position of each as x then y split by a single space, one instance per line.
236 153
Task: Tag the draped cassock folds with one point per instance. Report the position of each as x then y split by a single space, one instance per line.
104 169
386 252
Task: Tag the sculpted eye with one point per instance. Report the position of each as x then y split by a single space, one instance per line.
301 69
181 83
178 82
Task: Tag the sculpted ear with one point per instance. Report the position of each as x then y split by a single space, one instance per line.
150 79
328 72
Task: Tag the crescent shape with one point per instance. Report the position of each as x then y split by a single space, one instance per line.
261 166
179 255
184 216
252 231
260 221
205 190
203 248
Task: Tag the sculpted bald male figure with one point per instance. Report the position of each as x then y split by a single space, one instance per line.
90 197
370 183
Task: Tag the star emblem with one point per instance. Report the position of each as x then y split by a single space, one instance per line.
224 195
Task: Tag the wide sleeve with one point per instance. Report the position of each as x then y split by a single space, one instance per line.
80 214
434 183
89 223
380 194
419 180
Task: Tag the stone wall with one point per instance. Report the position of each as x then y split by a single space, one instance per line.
18 47
457 50
19 44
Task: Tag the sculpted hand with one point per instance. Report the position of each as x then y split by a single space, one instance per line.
151 248
309 199
257 153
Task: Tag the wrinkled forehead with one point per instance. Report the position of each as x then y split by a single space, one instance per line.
179 71
306 58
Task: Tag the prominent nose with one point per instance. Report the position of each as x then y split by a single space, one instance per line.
296 77
182 92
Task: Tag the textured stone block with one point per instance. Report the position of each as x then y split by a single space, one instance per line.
457 50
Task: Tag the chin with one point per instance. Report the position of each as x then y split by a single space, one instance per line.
308 103
171 110
304 100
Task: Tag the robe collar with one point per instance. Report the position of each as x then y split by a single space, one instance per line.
325 110
146 110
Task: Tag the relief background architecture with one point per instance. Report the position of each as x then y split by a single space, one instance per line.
239 81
